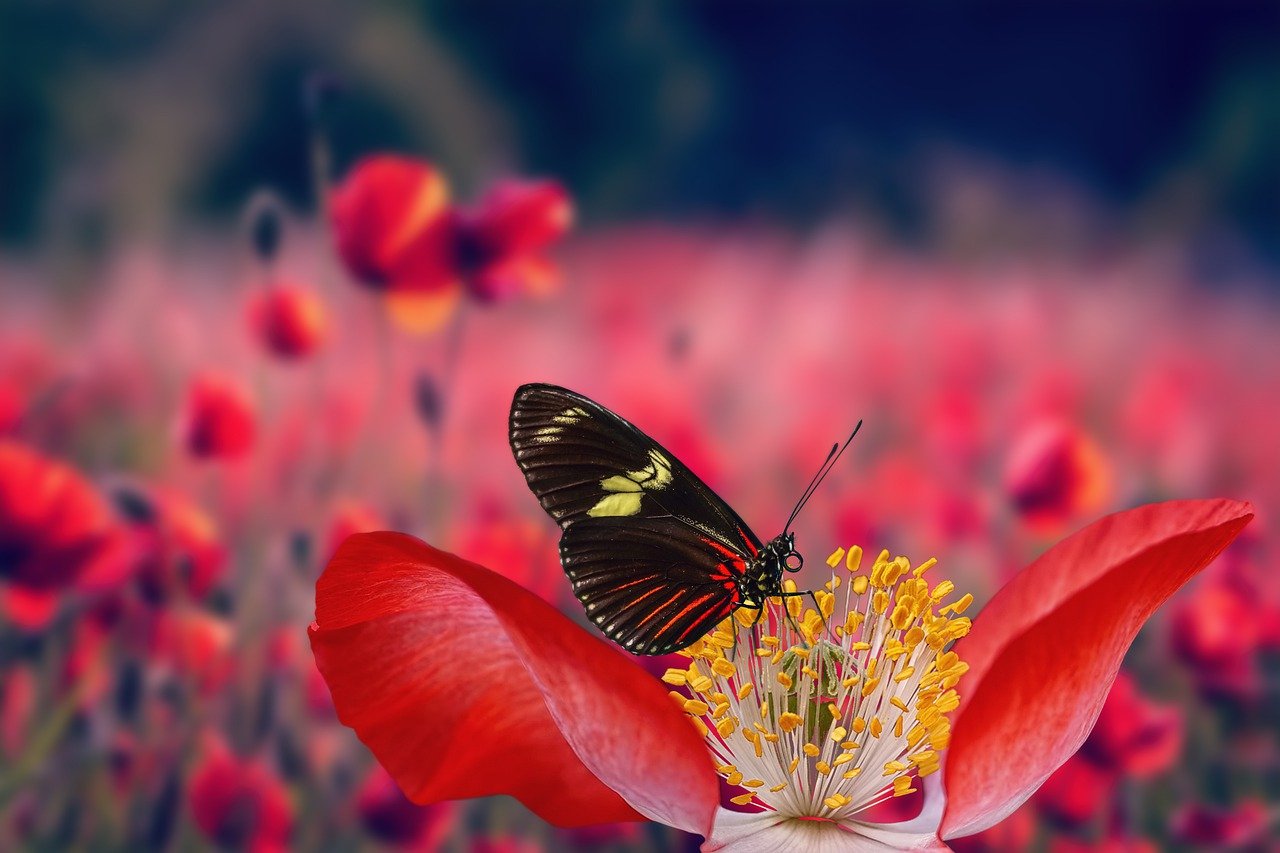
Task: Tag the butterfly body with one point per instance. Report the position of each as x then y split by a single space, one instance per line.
656 558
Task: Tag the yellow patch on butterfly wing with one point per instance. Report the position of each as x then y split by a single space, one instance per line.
621 504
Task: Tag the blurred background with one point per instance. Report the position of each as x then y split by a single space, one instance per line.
271 272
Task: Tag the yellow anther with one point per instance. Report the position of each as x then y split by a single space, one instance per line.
897 727
763 653
860 646
849 774
898 703
838 733
702 684
848 683
696 707
850 744
893 767
745 690
860 585
721 639
876 727
960 605
842 758
770 641
743 799
678 697
836 801
812 750
777 657
734 777
753 783
727 726
925 566
678 677
836 556
795 762
789 722
823 767
880 601
720 710
723 668
785 680
810 671
853 560
904 675
869 687
859 725
833 711
776 788
902 786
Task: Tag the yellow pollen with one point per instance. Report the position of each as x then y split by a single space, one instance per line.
823 767
838 733
812 750
742 799
745 690
853 559
753 783
836 556
836 801
795 762
695 707
789 722
734 778
723 668
776 788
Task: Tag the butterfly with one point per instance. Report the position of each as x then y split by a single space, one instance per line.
656 558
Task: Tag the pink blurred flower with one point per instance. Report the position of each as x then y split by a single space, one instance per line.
195 645
1056 473
1247 823
1076 793
1133 735
237 802
288 321
391 818
1011 835
218 418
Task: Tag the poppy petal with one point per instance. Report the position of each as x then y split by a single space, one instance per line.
1044 652
464 684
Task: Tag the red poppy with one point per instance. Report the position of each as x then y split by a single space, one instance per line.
1056 473
1246 823
445 669
288 321
195 645
53 522
179 546
237 802
1076 793
397 233
1214 627
1134 735
388 816
218 419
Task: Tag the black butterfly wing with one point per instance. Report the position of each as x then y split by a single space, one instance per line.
652 585
585 462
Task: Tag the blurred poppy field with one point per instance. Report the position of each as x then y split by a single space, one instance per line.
270 278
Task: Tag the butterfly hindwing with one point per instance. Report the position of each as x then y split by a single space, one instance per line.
652 585
583 461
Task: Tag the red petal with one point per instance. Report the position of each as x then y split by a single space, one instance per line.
463 684
1044 651
517 217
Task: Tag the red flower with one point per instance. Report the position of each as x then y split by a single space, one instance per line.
1076 792
1055 473
218 420
396 233
389 817
290 322
178 543
1134 735
444 668
1215 627
1249 822
237 802
53 523
195 645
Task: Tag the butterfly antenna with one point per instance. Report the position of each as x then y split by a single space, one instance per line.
823 470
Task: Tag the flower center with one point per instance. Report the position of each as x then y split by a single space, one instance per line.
822 718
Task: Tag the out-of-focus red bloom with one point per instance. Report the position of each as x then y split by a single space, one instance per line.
521 549
239 803
499 244
196 645
390 817
1134 735
1247 823
1011 835
53 522
288 321
396 232
180 547
399 625
1076 792
12 406
218 419
1055 473
349 518
1214 626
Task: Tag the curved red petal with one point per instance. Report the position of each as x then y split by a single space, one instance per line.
463 684
1043 653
